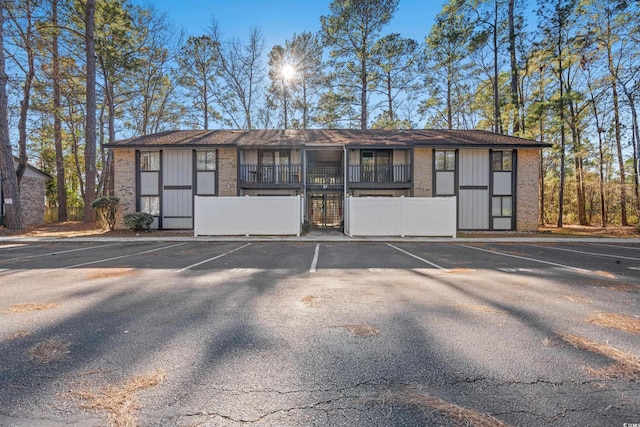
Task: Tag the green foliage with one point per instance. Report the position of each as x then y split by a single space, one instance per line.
138 221
107 207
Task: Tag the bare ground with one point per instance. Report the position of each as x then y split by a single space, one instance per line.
93 229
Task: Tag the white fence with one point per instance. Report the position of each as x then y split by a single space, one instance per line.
231 216
400 216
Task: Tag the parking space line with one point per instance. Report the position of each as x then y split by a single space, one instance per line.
418 258
12 245
58 252
213 258
581 270
621 246
116 257
314 263
590 253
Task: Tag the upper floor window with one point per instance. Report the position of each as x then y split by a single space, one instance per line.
445 160
150 161
205 161
501 160
274 157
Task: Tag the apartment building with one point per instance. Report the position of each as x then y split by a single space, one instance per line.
495 178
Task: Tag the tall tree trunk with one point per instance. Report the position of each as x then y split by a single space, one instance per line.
514 68
496 87
27 39
618 136
363 94
8 177
578 161
389 97
57 122
562 131
90 126
449 101
596 116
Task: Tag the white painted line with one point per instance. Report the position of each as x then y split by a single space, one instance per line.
58 252
14 245
314 263
588 253
418 258
213 258
581 270
620 246
116 257
515 270
634 268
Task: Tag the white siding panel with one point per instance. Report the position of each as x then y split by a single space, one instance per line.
149 183
502 183
445 183
206 183
177 167
177 203
473 209
502 223
474 167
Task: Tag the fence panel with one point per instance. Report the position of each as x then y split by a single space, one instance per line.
401 216
232 216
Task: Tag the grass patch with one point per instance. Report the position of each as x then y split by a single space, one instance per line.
605 274
362 331
17 335
310 300
102 273
459 270
627 364
465 416
51 350
120 402
478 307
578 299
616 321
25 308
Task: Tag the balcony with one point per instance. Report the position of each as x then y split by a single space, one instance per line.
326 178
380 176
270 176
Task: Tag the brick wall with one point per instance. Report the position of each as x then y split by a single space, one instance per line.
32 199
125 182
227 172
528 189
422 172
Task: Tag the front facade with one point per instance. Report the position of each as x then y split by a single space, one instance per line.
494 177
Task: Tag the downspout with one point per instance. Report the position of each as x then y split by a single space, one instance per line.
345 175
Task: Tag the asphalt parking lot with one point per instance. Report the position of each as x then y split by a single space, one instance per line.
328 334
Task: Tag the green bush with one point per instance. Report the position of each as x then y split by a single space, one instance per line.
138 221
107 207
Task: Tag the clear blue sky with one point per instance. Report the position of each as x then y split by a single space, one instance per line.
280 19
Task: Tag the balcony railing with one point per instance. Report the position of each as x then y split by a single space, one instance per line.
329 176
270 174
324 176
380 174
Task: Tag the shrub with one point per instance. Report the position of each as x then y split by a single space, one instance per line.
138 221
107 207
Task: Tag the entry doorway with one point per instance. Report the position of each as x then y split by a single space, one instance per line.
325 210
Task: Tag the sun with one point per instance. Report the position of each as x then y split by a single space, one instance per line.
288 71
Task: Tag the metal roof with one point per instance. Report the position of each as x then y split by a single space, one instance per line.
440 138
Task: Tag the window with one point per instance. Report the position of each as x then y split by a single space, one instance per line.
205 161
501 160
501 206
274 157
445 160
150 205
150 161
376 165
